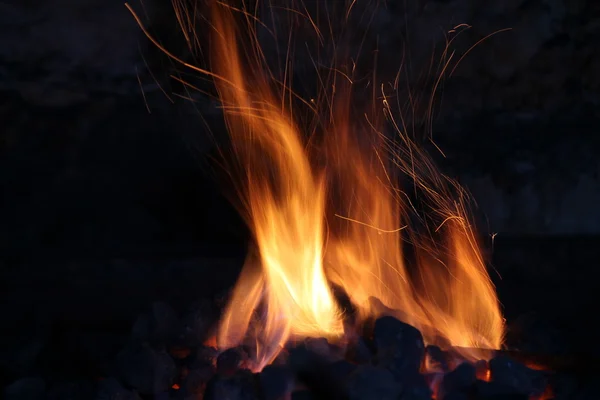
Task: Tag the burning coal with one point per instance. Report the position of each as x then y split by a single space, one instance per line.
331 212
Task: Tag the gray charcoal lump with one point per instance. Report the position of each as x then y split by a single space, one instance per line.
511 373
276 381
313 371
196 324
71 390
303 395
202 356
399 346
359 352
342 368
415 387
497 391
148 370
455 396
369 382
195 381
437 356
384 365
320 346
461 378
111 389
240 386
231 360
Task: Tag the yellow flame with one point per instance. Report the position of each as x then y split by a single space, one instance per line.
285 200
284 290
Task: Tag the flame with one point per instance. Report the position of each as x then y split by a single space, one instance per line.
343 221
285 202
452 296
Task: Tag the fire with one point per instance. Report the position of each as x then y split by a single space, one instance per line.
285 200
332 213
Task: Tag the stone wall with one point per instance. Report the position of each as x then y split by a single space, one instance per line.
88 134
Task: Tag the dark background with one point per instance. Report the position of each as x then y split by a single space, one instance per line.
109 202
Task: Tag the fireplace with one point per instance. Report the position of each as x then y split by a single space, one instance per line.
342 261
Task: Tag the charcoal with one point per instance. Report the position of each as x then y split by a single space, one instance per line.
318 345
369 382
26 389
79 390
276 382
442 342
239 386
148 370
180 352
460 379
399 346
157 325
195 381
303 395
455 396
323 348
342 368
314 372
203 356
282 358
437 357
496 391
359 352
229 361
111 389
502 397
434 381
196 324
415 387
415 396
511 373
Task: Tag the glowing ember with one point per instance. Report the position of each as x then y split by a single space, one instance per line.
284 290
483 371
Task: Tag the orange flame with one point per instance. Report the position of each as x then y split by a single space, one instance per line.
285 200
287 283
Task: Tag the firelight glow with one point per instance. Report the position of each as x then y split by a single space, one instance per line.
332 213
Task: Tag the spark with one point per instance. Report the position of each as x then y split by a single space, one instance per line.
477 44
371 226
